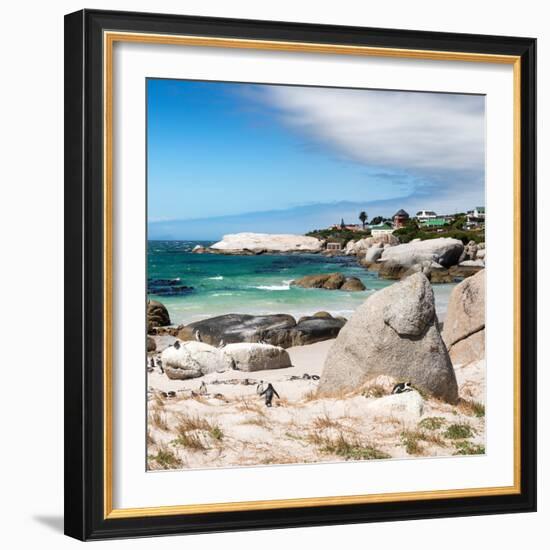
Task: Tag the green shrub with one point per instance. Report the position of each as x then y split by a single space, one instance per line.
432 423
459 431
468 448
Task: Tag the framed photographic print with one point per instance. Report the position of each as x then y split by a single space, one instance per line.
300 274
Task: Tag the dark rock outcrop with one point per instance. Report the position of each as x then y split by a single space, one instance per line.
278 330
167 287
157 315
330 281
353 284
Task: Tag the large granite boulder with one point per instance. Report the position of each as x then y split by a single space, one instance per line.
192 359
252 357
395 333
373 254
264 242
278 330
329 281
464 329
157 315
361 246
444 251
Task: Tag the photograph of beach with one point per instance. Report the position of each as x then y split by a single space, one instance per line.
315 275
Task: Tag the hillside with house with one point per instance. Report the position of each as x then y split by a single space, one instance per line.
425 224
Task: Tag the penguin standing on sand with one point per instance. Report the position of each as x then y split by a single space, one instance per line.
198 336
161 368
269 392
177 344
203 390
221 344
402 387
260 387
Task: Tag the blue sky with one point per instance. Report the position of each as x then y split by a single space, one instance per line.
224 158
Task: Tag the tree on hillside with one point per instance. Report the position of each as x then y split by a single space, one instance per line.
342 224
363 218
377 220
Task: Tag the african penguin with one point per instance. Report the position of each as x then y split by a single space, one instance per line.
402 387
269 392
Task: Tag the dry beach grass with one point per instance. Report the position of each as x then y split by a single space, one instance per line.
230 425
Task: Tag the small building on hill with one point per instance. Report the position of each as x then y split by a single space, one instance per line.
383 228
476 215
422 215
400 219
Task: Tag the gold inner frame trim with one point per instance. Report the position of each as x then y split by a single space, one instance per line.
109 39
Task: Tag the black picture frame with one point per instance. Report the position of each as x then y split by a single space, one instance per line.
84 282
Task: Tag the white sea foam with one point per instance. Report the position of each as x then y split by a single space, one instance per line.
273 287
218 278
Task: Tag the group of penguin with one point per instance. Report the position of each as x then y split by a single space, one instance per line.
262 389
155 363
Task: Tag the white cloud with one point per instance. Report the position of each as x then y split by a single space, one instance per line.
424 134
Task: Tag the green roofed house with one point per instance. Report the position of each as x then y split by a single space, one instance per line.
433 222
383 228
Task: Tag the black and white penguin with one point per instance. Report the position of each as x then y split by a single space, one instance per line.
177 344
269 392
260 387
198 336
203 390
402 387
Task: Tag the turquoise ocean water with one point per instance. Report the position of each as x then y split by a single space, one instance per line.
198 286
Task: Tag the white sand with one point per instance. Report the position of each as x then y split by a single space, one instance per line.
231 426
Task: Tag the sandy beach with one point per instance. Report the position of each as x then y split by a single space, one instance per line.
229 425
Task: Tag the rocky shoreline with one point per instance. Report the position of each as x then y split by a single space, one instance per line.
442 260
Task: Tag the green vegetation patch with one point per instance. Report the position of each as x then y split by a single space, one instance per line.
454 231
473 408
412 439
216 433
431 423
469 448
342 236
166 458
459 431
349 450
